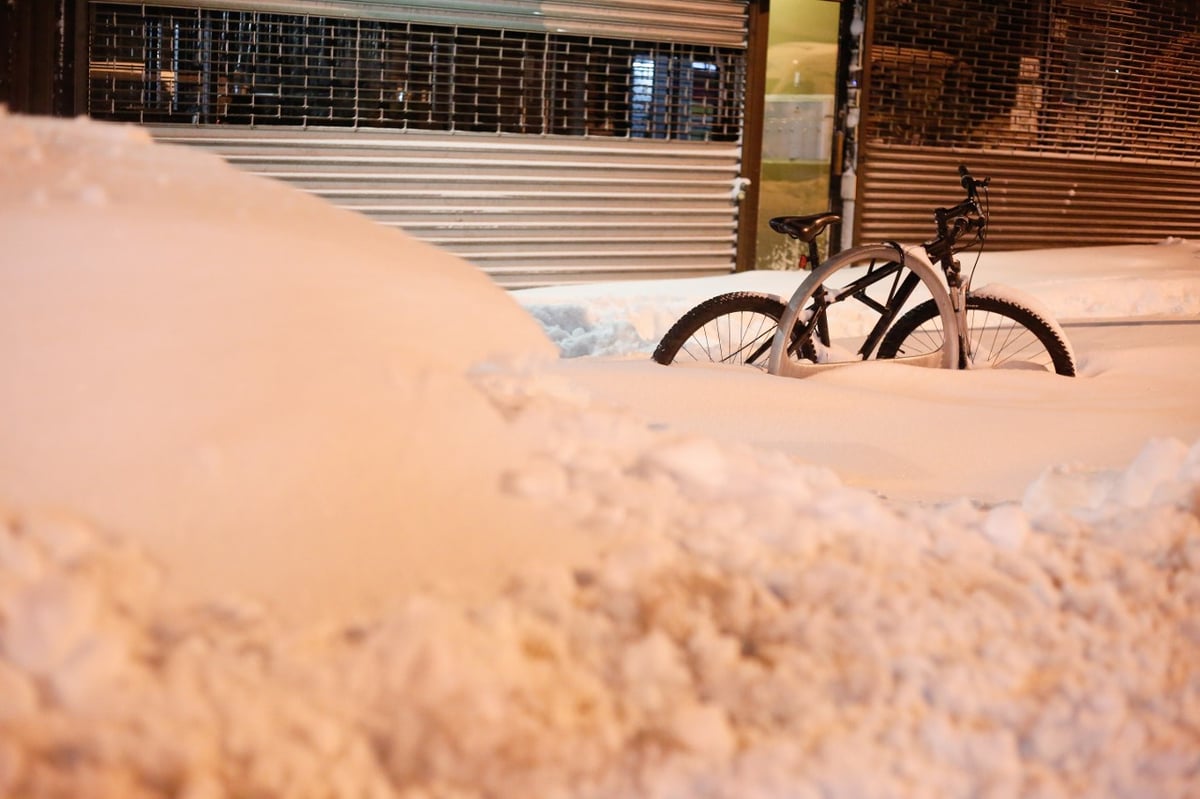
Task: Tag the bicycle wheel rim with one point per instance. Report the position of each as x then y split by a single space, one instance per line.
732 329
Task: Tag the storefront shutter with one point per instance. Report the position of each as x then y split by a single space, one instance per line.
1085 113
719 22
544 142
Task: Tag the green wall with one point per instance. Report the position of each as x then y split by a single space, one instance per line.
801 69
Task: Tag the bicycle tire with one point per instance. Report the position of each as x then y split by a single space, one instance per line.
1003 332
841 311
735 328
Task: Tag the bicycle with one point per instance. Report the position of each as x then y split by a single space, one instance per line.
993 327
902 318
738 327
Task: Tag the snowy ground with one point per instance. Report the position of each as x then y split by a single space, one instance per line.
1132 315
279 524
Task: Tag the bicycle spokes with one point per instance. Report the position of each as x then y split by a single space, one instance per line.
741 337
1001 334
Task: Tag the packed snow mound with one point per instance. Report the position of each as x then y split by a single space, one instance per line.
237 373
753 629
664 613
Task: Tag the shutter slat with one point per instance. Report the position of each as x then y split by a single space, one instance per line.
1037 201
525 210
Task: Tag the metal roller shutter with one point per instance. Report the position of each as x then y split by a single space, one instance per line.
526 212
540 156
1036 201
1086 113
718 22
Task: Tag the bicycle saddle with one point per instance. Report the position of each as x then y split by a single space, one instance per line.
805 228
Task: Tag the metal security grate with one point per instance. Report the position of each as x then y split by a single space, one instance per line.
155 65
1085 114
1085 77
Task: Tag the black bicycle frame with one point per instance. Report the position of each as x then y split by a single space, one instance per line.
901 290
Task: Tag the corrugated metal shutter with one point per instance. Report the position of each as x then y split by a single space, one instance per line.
718 22
535 173
1086 113
528 212
1036 201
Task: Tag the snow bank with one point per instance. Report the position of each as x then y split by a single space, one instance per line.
228 471
266 391
752 629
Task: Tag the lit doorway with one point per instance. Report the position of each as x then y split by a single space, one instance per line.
798 122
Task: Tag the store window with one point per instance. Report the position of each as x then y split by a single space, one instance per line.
171 65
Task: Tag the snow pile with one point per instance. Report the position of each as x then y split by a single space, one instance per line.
279 518
259 387
753 629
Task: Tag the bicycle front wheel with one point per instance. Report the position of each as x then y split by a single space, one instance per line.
734 328
842 310
1004 334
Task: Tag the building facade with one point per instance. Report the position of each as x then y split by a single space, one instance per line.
543 141
554 141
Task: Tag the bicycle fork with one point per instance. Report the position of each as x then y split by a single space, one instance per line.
958 301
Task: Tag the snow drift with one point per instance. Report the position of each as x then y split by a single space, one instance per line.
223 368
278 524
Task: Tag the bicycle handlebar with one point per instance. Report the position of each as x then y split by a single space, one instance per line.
971 184
965 217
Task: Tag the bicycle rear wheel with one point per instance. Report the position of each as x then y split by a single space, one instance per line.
734 328
840 313
1004 334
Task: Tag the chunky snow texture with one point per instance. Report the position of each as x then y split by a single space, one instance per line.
752 629
181 438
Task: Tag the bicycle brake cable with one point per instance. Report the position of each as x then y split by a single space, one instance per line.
981 235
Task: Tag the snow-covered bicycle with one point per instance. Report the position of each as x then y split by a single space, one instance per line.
903 304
